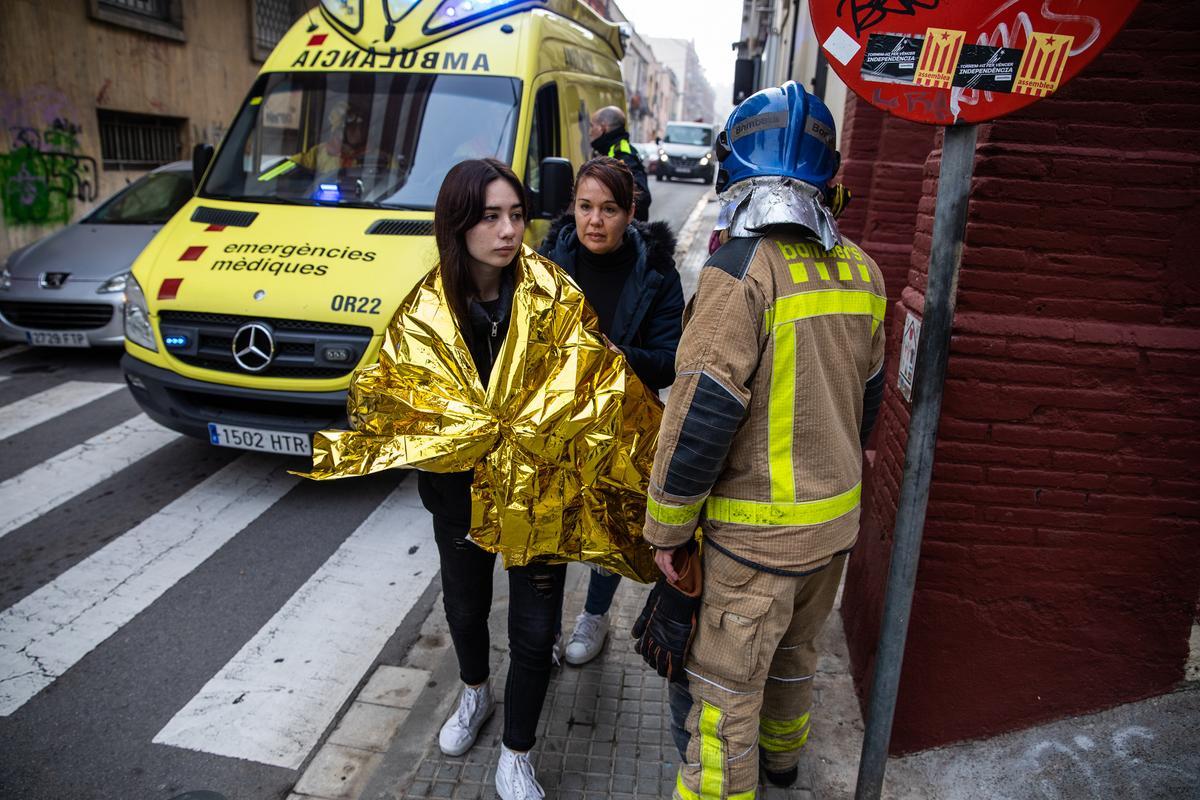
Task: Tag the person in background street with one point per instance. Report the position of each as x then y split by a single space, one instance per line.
780 375
479 219
627 272
609 138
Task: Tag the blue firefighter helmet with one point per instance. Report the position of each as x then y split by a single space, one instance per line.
781 131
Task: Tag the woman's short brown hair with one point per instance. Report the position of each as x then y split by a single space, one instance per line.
612 175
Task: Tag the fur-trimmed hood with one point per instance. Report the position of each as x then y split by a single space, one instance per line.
654 240
647 322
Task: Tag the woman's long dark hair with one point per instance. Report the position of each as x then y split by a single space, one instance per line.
459 207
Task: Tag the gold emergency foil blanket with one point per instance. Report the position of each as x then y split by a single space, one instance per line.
562 440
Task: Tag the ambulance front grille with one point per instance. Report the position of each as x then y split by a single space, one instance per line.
300 345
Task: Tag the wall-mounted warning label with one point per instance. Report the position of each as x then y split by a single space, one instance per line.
908 356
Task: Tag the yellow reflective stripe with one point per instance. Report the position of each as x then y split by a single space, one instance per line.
255 101
775 744
782 727
782 736
863 272
799 272
743 795
274 172
781 416
673 515
624 145
826 302
809 512
822 270
712 759
682 790
843 270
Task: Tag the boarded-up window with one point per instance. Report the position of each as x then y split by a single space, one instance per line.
138 141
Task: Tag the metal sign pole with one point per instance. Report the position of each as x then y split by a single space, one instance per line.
933 352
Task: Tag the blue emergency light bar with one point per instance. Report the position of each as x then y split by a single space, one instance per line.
329 192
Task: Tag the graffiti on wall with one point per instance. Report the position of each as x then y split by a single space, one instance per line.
44 173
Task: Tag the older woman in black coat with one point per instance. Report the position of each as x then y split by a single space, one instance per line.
627 272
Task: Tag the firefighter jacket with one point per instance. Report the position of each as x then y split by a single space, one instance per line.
761 434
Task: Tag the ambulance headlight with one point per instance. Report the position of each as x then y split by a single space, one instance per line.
137 316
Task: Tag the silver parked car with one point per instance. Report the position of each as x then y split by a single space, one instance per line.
68 289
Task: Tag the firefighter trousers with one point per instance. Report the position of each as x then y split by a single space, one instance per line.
750 671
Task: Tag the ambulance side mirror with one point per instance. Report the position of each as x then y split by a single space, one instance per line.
201 157
555 195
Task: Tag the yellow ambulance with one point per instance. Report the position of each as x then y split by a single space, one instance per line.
248 312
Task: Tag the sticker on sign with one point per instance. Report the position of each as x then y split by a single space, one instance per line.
841 46
284 442
944 63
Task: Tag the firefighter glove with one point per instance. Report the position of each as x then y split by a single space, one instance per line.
666 625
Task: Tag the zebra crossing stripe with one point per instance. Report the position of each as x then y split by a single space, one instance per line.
272 702
36 409
49 631
51 483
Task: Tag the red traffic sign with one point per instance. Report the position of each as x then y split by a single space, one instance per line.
943 62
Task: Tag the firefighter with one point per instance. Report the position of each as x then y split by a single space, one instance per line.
609 138
780 374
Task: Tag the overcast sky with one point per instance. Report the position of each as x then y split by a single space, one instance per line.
714 25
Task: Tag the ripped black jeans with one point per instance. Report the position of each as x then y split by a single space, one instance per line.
535 596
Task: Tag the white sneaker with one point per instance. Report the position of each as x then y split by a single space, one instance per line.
588 637
514 777
474 708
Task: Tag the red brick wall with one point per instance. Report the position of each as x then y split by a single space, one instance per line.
1061 559
882 160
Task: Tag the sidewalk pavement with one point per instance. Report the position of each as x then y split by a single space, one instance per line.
604 728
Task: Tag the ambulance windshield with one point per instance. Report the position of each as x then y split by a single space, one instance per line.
381 140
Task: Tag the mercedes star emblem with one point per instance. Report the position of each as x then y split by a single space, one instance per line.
253 347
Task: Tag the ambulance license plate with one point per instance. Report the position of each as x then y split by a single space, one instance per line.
57 339
285 442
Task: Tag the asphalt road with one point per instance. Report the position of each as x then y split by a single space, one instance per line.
176 616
